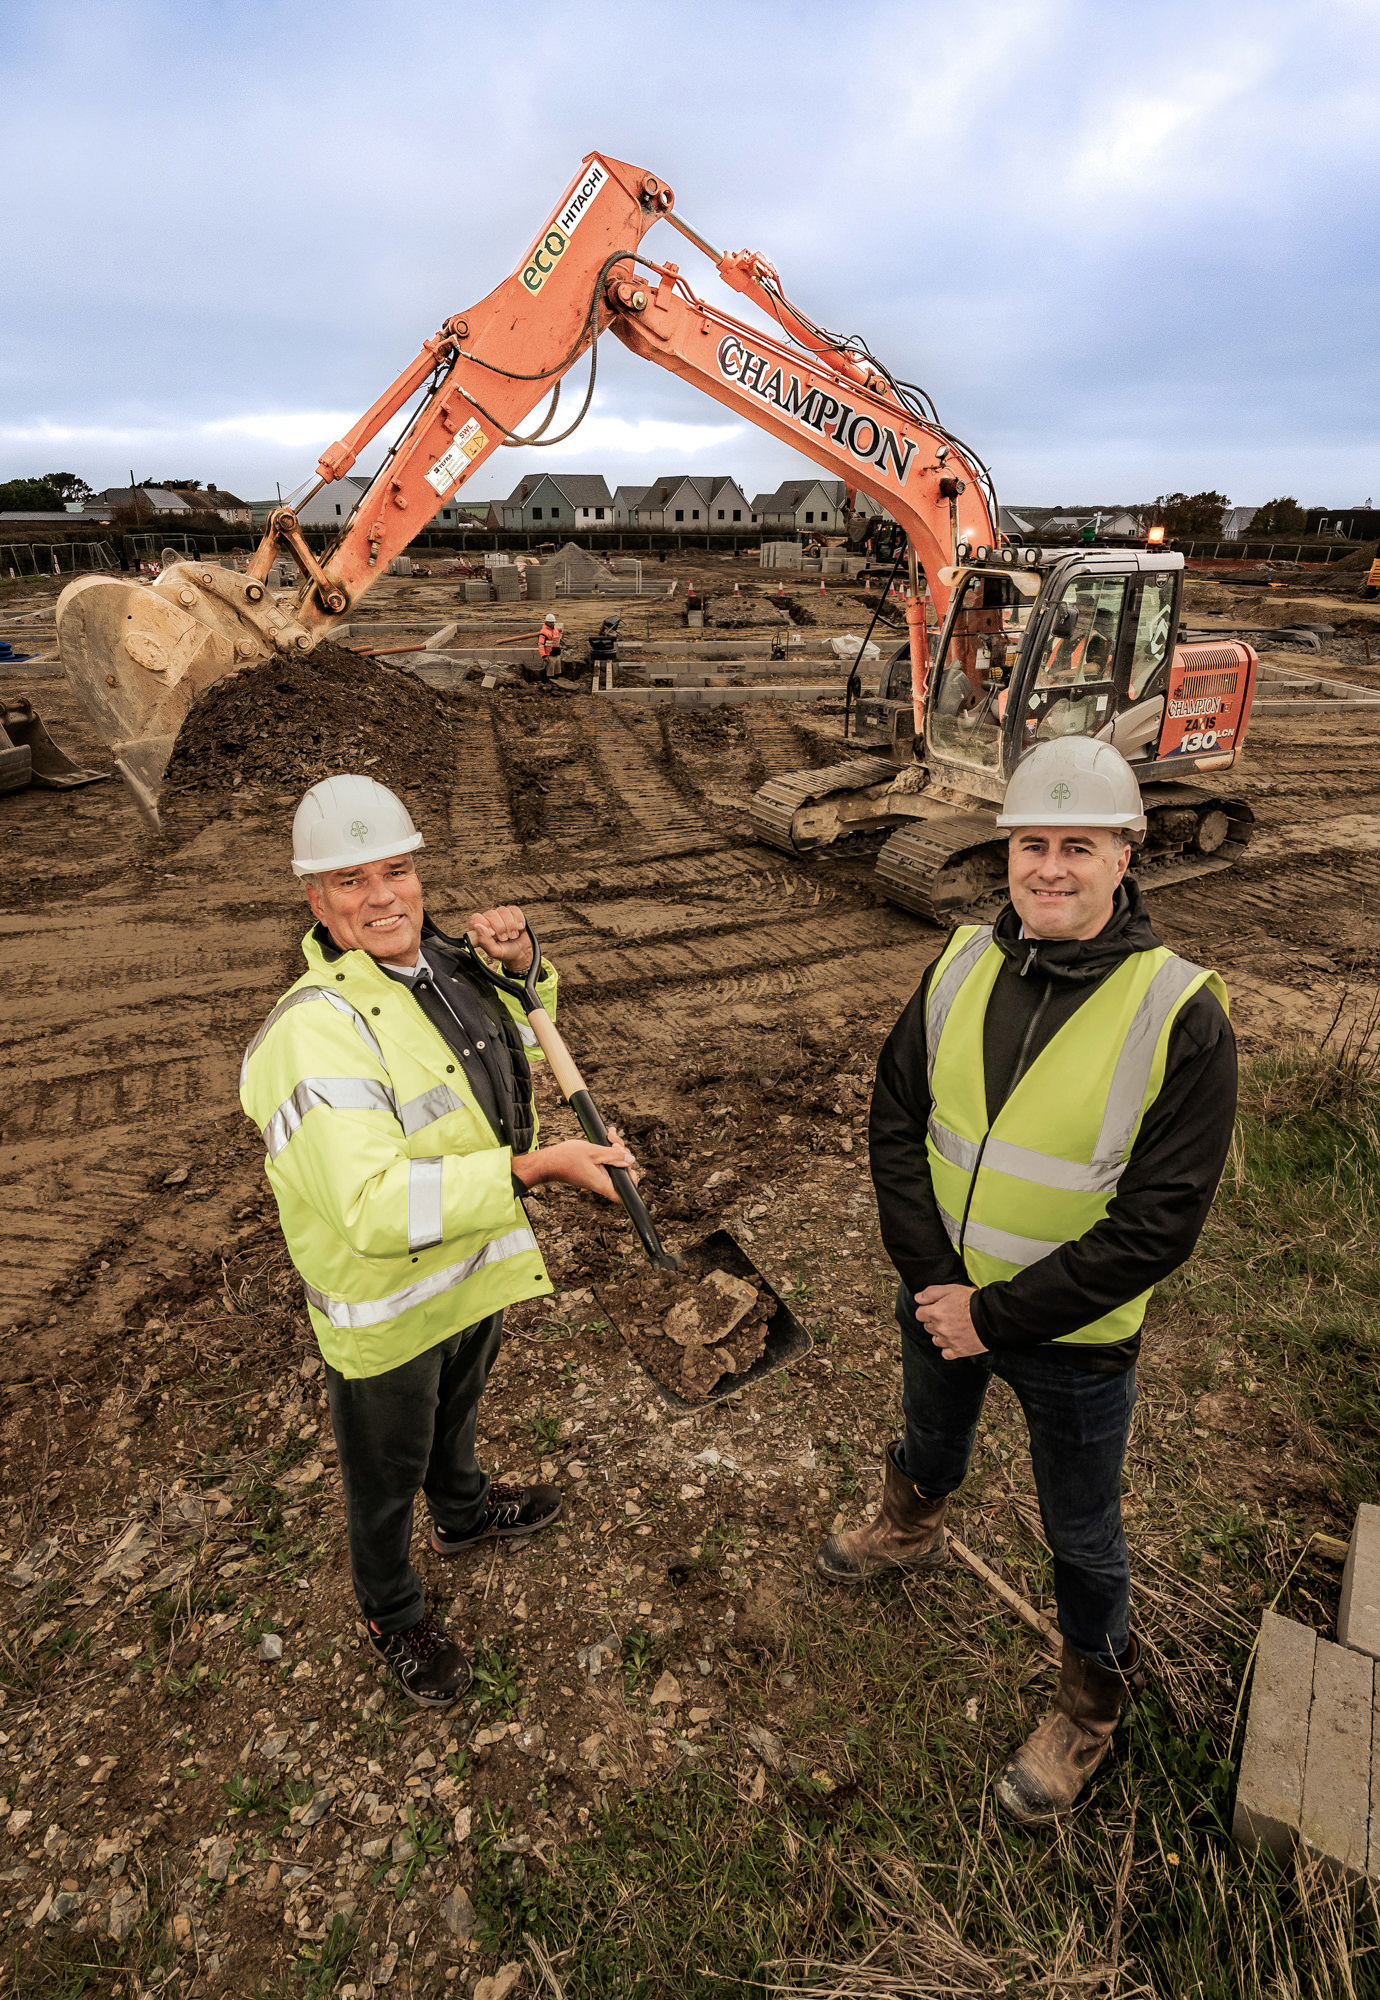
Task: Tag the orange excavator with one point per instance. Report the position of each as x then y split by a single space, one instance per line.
1004 647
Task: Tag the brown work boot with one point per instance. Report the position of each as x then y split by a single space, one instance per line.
906 1532
1045 1776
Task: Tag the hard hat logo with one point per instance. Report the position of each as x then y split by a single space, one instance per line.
359 830
1061 794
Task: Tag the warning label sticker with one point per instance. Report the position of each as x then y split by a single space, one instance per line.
468 442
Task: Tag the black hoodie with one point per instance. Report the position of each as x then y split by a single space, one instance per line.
1166 1187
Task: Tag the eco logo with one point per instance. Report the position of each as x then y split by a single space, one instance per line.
358 830
1061 793
553 245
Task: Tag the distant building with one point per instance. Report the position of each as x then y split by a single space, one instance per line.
569 499
626 500
1236 522
334 504
147 499
694 503
801 504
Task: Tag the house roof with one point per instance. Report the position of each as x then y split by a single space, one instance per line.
159 499
581 489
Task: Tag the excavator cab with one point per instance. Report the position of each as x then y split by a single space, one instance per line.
1080 646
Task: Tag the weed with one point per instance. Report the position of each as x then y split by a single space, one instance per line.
546 1434
497 1680
320 1968
428 1834
640 1655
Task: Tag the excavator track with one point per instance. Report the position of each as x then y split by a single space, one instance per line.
943 868
774 808
953 865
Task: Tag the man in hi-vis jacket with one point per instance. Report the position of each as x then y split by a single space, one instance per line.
1050 1119
392 1089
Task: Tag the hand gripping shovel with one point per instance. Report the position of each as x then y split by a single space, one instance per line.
718 1253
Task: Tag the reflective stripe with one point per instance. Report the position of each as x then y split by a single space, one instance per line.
431 1105
1022 1163
425 1214
373 1312
529 1039
298 999
950 1146
1019 1250
950 1222
1131 1077
336 1093
944 991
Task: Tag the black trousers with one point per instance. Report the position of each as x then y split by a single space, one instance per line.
409 1430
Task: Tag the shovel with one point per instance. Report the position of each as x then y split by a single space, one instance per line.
718 1252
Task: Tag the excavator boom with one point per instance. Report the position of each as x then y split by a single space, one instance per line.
140 656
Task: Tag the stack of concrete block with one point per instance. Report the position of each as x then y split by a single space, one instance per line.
498 559
400 566
781 555
506 579
1310 1769
541 582
477 590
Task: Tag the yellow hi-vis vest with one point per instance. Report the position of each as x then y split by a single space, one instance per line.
396 1201
1046 1169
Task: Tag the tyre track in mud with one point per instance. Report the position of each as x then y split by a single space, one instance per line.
138 969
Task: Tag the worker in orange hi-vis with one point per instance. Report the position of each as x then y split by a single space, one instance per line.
549 638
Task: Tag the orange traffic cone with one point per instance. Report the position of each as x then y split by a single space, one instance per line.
735 590
780 588
821 586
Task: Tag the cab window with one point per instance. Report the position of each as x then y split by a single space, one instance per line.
969 682
1153 634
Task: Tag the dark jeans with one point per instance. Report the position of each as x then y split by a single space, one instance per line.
411 1428
1078 1424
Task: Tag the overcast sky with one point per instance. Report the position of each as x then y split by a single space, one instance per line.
1127 248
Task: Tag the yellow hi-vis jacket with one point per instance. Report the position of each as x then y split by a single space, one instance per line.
396 1202
1046 1169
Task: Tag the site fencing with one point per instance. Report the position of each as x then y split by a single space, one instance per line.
54 558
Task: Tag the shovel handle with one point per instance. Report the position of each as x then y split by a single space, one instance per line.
572 1088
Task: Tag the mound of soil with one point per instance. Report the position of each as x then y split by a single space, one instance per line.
282 724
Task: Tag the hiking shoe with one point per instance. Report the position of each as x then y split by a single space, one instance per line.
509 1511
426 1664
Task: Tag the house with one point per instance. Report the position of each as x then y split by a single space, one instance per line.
1236 522
147 499
626 500
334 504
214 499
694 504
570 499
800 504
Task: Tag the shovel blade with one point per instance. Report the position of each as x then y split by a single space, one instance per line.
786 1339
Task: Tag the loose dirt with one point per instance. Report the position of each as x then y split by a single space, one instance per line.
172 1491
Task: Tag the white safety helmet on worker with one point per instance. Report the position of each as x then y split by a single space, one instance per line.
346 820
1073 781
549 619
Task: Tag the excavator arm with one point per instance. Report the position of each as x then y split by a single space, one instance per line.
139 657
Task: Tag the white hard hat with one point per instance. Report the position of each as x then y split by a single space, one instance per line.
1075 781
349 819
549 619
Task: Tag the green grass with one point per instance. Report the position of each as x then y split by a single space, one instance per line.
878 1837
1291 1255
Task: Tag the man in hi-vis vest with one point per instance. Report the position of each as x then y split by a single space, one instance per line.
1051 1116
392 1089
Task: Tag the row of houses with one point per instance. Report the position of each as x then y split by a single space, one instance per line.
577 502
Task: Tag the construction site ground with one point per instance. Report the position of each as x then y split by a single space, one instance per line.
194 1809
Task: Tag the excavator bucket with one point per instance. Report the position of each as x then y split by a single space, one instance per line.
138 661
29 756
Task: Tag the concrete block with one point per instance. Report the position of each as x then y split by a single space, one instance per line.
1269 1791
1358 1620
1335 1822
1373 1862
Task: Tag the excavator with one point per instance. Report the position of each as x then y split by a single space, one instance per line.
1004 647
